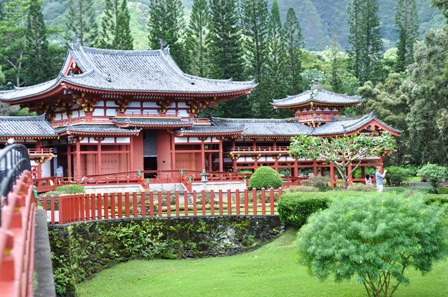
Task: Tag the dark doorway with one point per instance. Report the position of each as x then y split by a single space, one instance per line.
150 163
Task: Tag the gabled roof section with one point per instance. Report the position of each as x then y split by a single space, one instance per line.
265 127
353 125
317 97
26 127
130 72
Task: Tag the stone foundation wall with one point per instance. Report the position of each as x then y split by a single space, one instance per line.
80 250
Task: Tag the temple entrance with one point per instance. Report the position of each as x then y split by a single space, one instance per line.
150 163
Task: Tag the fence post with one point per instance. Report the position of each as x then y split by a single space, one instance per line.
229 202
263 201
212 202
272 200
134 205
143 203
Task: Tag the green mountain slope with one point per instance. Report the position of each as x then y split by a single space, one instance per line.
322 21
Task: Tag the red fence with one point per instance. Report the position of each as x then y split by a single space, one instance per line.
88 207
17 239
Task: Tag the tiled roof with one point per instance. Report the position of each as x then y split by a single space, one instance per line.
318 96
203 130
26 126
142 71
265 127
348 125
23 92
94 129
153 122
149 71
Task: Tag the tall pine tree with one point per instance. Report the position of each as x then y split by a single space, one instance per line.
365 53
36 57
166 27
275 65
255 15
195 41
294 45
407 22
12 39
226 53
81 22
115 31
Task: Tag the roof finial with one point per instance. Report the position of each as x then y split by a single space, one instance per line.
163 43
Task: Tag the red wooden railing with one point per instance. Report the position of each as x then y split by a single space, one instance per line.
88 207
17 239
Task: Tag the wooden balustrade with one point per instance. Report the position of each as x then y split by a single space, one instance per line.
87 207
17 239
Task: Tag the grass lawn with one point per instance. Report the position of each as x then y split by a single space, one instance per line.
272 270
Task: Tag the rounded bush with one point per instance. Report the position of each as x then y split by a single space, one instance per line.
265 177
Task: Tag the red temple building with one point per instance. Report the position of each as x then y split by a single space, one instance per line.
112 111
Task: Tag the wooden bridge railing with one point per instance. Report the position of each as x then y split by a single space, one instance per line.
17 239
87 207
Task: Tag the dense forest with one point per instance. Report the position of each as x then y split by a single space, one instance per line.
321 23
392 53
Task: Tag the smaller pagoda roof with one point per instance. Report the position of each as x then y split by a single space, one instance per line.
316 96
95 129
350 125
265 127
159 122
26 127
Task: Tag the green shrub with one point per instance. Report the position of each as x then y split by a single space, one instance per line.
317 181
295 189
265 177
433 173
295 208
359 187
437 199
442 190
70 189
396 175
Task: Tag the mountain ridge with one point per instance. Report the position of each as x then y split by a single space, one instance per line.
321 25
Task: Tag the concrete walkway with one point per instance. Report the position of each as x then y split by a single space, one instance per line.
42 258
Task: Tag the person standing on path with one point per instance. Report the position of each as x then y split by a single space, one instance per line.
380 179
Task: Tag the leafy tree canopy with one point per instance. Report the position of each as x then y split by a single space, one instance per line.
341 151
375 238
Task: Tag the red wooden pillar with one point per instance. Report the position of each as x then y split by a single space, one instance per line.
131 155
78 158
221 157
173 152
69 161
202 155
98 169
315 168
332 177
